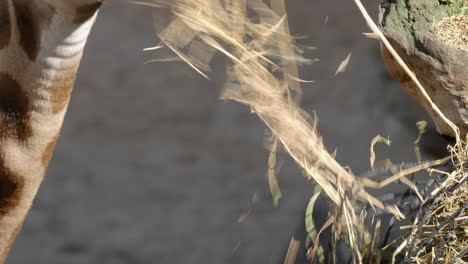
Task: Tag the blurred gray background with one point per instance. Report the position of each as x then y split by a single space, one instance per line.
152 168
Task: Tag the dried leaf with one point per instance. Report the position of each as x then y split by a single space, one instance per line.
371 35
272 179
292 251
246 213
377 139
154 48
170 59
343 65
421 125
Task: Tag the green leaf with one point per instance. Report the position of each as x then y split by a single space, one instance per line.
310 225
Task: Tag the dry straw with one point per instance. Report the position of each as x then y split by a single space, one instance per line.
262 73
453 31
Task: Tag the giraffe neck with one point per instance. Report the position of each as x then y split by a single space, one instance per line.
41 44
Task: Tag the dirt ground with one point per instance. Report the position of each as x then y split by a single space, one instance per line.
152 168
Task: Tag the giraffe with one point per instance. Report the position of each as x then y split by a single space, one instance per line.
41 44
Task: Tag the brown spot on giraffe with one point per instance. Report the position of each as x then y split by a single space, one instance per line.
5 25
14 110
29 26
85 12
61 88
49 150
11 187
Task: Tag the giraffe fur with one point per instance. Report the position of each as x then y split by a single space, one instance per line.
41 45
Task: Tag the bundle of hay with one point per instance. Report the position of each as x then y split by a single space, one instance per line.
439 233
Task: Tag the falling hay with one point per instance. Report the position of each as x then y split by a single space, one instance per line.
258 51
262 73
311 229
272 179
343 65
377 139
292 251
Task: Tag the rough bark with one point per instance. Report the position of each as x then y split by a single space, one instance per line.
441 69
